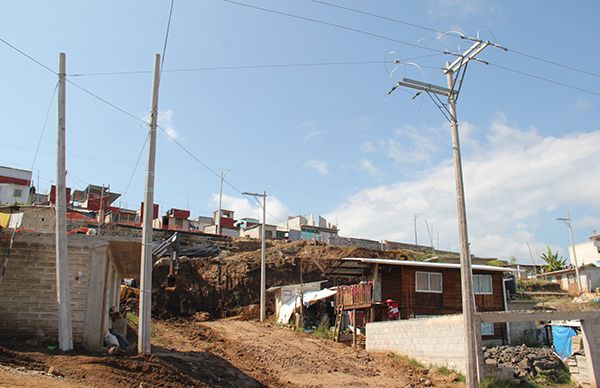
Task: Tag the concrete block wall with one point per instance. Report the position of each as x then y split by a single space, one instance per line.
28 289
338 241
436 341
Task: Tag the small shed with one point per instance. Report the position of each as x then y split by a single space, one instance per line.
96 266
567 278
284 294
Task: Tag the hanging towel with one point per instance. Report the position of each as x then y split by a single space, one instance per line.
4 220
562 338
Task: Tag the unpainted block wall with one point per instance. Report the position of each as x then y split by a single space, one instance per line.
28 289
438 341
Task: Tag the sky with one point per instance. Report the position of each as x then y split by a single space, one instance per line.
322 139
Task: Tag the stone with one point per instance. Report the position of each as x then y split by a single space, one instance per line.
54 372
491 361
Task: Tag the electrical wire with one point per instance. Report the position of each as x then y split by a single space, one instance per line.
456 35
134 170
410 24
340 26
37 148
162 59
563 84
250 67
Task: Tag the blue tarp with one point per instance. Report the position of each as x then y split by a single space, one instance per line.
562 340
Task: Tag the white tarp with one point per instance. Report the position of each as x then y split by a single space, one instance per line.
310 297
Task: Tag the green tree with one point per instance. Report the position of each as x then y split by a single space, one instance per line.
554 262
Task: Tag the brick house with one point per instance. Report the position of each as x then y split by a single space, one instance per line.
28 289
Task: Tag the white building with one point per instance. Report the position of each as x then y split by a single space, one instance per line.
587 252
14 185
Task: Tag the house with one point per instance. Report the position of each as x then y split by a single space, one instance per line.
419 289
567 278
246 223
174 219
285 294
303 228
256 232
15 185
97 264
227 224
587 252
200 223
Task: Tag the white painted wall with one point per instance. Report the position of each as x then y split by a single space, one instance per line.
587 253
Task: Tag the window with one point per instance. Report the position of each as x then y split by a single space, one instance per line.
17 193
487 329
571 278
428 282
482 284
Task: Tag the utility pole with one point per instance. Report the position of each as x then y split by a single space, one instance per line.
263 268
220 204
63 296
567 220
100 212
145 316
449 111
532 259
415 216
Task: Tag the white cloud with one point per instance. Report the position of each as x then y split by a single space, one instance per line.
277 211
368 166
165 121
317 165
514 180
581 105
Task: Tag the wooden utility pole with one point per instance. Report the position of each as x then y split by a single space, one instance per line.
145 316
220 204
466 274
63 296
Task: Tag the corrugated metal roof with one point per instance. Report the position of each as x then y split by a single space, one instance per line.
427 264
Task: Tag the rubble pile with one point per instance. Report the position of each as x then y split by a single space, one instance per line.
526 362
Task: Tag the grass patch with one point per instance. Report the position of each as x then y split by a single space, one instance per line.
446 371
556 377
323 331
133 318
408 361
528 285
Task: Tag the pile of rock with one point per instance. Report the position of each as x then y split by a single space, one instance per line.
525 362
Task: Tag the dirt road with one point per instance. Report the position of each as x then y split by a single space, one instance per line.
225 353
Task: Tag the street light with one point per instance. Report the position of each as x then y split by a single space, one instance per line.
567 221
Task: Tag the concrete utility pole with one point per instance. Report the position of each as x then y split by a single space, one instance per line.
567 220
63 296
263 261
145 316
220 204
415 215
449 111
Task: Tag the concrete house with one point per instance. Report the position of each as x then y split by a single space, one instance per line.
228 227
303 228
567 278
14 185
174 219
28 288
420 289
587 252
256 231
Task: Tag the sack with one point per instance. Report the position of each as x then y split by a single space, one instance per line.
110 340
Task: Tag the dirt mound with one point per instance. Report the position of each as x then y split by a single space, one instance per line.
14 359
222 285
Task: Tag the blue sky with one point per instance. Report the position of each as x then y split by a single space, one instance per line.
322 139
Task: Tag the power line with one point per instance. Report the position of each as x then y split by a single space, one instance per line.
419 26
250 67
162 61
28 56
565 85
340 26
37 149
134 169
554 63
410 24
